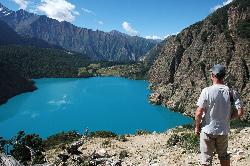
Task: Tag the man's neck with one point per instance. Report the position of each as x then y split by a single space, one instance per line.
218 82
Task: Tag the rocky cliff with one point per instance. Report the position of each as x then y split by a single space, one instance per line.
111 46
181 70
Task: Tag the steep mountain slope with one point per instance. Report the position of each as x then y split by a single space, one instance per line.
9 36
182 69
112 46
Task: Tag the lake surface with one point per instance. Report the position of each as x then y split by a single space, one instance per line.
101 103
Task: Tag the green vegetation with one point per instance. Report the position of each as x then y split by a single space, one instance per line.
123 154
243 29
61 138
204 36
133 71
242 4
142 132
106 144
185 138
32 62
2 144
90 70
220 18
239 124
102 134
122 138
28 149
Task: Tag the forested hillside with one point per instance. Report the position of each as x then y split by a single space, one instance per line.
32 62
12 84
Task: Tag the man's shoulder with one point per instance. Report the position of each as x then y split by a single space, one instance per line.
217 86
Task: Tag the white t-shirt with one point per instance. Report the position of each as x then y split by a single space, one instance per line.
215 100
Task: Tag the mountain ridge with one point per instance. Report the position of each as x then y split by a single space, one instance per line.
99 45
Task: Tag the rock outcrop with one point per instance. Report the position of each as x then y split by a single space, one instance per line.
181 70
8 161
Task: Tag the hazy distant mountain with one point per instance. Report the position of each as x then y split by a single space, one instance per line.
112 46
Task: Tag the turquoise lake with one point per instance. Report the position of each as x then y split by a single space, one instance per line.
101 103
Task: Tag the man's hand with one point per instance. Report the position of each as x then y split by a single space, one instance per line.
237 114
198 117
197 131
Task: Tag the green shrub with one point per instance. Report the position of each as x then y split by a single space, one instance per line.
243 29
102 134
122 138
188 141
61 138
204 36
219 18
23 147
2 144
106 143
237 123
142 132
123 154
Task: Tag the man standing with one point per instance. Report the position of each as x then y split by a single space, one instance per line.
213 117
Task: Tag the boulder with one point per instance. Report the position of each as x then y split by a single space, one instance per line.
155 98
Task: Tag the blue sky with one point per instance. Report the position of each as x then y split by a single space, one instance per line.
145 18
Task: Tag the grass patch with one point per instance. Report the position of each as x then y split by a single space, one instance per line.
188 141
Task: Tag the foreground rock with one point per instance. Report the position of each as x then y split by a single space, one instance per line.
151 150
8 161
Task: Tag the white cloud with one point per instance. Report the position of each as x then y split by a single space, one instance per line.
88 11
23 4
220 5
100 22
171 34
76 13
154 37
61 10
128 28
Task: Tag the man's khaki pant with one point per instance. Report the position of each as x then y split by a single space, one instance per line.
209 143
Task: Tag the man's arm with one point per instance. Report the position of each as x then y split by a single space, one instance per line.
237 114
198 117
